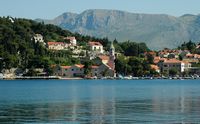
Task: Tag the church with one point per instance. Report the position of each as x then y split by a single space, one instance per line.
105 64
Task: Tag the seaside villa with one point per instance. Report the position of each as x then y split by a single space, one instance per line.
169 64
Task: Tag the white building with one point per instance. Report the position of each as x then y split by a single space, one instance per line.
56 45
69 71
72 40
96 46
169 64
39 38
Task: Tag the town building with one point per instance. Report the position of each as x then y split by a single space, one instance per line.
76 70
192 58
72 40
56 45
96 47
169 64
39 38
106 63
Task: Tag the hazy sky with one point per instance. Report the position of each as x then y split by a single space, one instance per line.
48 9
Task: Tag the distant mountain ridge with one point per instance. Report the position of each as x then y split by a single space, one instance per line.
157 30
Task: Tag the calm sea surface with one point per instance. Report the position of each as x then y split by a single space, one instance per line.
100 101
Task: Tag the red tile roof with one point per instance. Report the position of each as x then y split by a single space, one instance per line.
65 67
158 59
95 44
154 67
79 65
55 43
193 55
104 57
94 66
172 61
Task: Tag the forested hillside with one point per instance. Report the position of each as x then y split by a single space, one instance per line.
18 48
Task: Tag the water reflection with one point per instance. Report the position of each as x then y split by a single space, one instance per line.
111 104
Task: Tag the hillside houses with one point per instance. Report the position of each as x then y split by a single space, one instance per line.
163 61
192 58
52 45
180 60
104 66
167 53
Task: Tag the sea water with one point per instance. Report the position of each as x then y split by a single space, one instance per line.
100 101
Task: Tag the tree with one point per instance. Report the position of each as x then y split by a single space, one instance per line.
87 67
136 66
173 72
121 65
150 58
191 46
133 48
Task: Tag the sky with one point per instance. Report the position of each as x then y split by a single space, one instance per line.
49 9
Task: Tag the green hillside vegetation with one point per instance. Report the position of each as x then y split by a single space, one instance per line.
19 50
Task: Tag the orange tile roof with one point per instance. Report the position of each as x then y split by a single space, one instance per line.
104 57
65 67
186 62
193 55
172 61
95 44
55 43
79 65
154 67
94 66
190 55
158 59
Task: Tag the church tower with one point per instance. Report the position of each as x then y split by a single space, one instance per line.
112 56
112 50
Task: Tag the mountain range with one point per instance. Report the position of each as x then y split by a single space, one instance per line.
156 30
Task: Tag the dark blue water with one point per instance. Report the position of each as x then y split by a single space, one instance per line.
100 101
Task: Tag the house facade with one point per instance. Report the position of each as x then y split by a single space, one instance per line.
56 45
192 58
169 64
96 47
39 38
72 40
69 71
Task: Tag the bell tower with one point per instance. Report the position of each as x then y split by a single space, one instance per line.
112 56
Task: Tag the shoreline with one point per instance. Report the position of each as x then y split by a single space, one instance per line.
104 78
